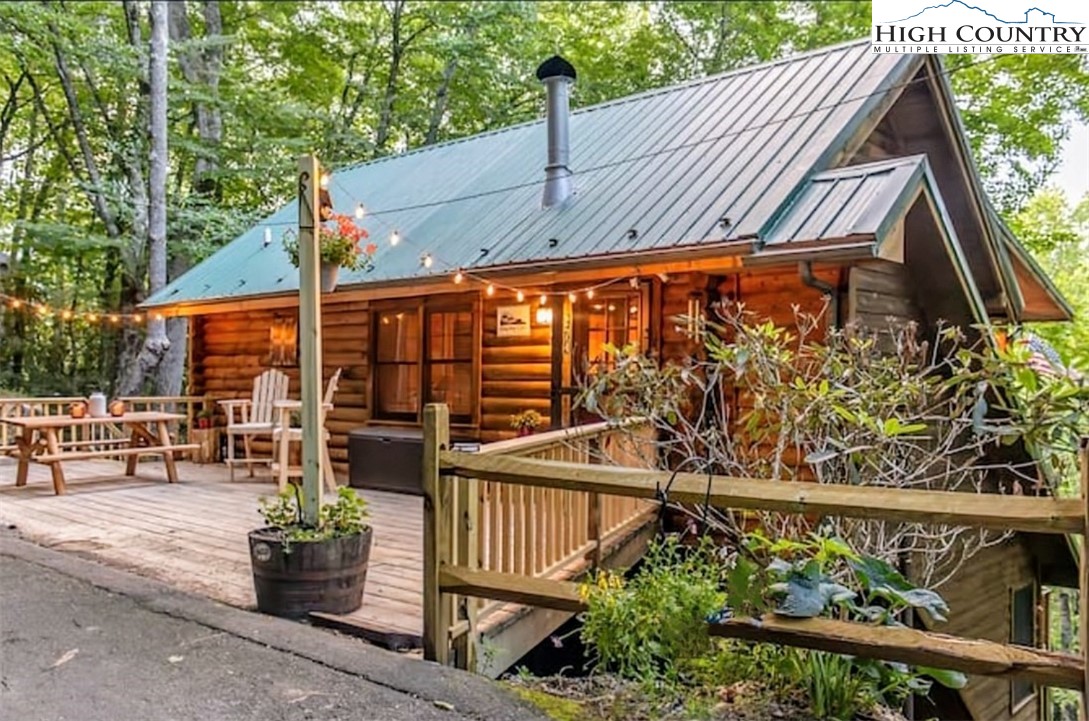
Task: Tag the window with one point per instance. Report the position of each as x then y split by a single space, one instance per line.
449 363
424 353
611 320
1022 633
397 363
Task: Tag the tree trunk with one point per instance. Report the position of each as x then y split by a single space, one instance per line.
156 342
438 108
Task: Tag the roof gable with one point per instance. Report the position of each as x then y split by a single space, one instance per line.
705 162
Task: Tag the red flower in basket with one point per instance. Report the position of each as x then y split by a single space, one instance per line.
339 239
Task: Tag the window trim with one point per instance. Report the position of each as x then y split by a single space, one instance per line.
423 308
1018 705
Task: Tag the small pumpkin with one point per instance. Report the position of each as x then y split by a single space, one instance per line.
78 409
117 408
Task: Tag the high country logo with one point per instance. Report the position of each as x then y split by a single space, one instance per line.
980 26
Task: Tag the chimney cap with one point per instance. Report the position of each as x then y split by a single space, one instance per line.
555 66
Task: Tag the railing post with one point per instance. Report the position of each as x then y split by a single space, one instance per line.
467 556
438 609
1083 578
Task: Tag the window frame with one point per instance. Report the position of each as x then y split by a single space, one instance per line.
424 308
1017 704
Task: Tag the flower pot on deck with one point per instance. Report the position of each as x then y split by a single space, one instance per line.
329 273
305 576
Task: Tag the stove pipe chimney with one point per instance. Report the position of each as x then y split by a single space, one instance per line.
557 74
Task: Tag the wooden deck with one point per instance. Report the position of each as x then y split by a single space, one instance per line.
192 534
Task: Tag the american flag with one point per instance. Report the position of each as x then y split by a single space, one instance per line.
1044 359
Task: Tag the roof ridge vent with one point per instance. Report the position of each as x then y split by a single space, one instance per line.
557 75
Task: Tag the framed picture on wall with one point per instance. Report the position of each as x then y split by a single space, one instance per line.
512 321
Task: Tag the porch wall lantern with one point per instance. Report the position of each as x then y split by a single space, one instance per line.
543 315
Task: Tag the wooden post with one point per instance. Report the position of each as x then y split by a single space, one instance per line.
310 336
437 607
467 491
1083 578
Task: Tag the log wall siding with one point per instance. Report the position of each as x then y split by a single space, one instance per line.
980 600
230 349
516 372
881 294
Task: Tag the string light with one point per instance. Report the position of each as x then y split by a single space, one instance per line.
544 299
325 178
425 260
520 296
394 238
491 289
92 317
360 211
458 277
46 312
572 297
137 318
16 303
66 315
115 318
590 293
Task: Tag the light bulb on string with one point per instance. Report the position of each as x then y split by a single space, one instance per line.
572 297
425 260
394 238
66 314
137 318
325 178
114 318
158 316
544 299
590 294
360 211
490 290
16 303
458 277
268 235
91 317
520 296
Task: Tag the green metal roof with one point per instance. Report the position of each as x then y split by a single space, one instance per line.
855 201
672 165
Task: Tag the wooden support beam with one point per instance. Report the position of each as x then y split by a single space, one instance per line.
512 588
980 510
908 645
438 614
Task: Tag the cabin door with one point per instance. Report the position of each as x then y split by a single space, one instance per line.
585 339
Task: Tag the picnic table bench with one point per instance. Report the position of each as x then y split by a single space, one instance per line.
39 441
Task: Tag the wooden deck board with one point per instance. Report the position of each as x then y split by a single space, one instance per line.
192 534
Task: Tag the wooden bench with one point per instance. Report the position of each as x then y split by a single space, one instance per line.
115 452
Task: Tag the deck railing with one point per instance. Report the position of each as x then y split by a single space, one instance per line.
535 533
102 435
541 531
452 574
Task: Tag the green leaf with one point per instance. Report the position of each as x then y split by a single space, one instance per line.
949 679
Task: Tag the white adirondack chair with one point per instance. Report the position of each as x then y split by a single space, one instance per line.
285 434
257 417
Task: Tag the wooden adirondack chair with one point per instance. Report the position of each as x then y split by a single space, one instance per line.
285 434
257 417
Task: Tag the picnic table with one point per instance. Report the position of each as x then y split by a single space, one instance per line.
39 441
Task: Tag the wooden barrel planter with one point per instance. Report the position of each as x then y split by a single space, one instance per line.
325 576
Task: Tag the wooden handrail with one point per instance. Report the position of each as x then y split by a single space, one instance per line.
907 645
538 441
980 510
447 577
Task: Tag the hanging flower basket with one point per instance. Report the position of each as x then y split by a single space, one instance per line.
339 245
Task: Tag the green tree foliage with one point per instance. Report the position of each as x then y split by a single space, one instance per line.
1057 234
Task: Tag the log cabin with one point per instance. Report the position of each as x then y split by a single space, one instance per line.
507 260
